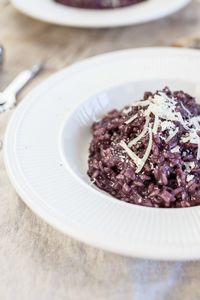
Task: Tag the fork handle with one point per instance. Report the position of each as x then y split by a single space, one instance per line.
22 79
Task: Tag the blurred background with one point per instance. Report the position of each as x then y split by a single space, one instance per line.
37 262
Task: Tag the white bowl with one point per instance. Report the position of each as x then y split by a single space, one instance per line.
75 134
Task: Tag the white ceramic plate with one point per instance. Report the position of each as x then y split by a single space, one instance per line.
49 11
34 164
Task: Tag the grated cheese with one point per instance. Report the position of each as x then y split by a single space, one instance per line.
198 151
185 109
195 122
155 125
163 108
189 166
172 134
167 125
147 153
175 149
131 119
151 165
189 177
180 119
185 139
140 136
142 103
131 154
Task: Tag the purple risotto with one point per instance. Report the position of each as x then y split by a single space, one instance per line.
149 152
96 4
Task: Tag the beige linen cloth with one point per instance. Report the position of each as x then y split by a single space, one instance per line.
38 262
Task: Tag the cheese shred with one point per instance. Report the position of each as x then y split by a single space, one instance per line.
147 153
163 108
141 135
131 119
131 154
155 125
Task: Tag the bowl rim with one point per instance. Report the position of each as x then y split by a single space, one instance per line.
181 245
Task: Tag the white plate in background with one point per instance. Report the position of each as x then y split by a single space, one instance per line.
36 168
52 12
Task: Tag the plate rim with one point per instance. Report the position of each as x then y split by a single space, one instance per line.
80 22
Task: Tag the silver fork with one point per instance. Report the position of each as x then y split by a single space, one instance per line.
8 96
1 55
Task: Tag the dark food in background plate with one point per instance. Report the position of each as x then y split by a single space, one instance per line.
149 153
98 4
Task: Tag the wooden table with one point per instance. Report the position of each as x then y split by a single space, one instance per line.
36 261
